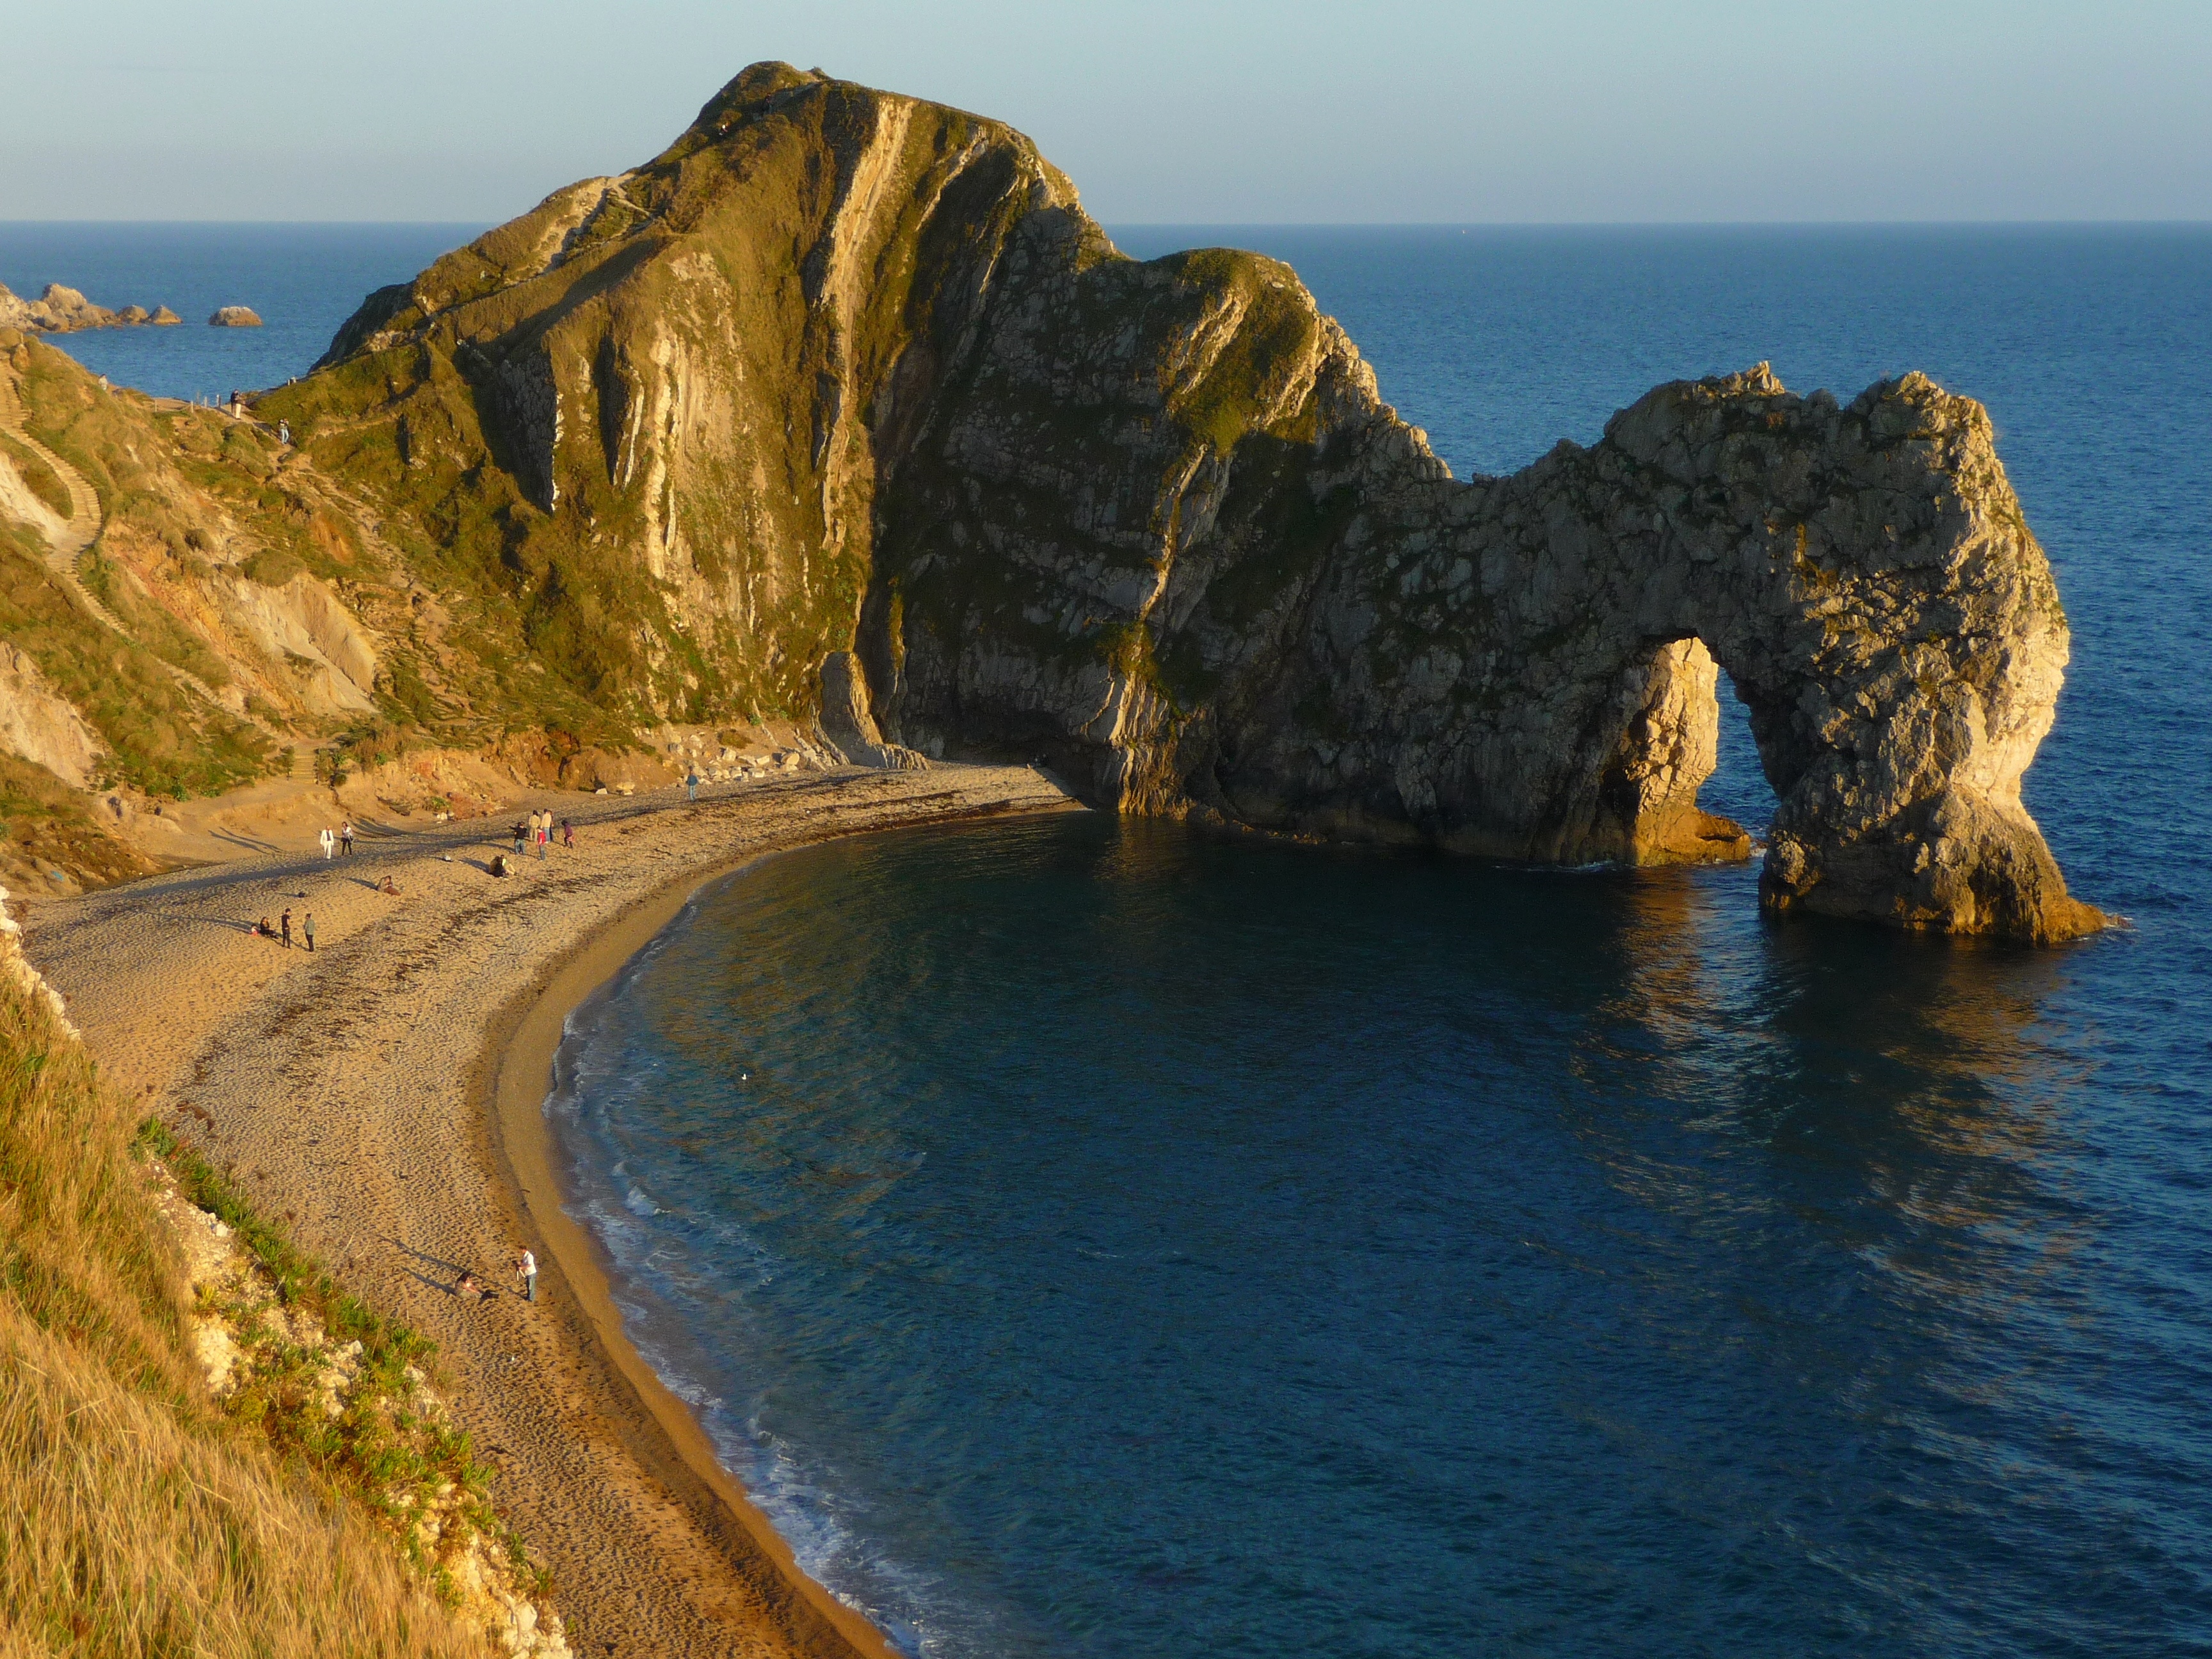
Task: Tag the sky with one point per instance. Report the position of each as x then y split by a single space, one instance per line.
1168 111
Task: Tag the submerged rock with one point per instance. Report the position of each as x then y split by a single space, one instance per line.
843 371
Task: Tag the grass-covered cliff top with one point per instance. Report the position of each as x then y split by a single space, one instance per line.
138 1517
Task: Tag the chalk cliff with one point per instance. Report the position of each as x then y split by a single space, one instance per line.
842 371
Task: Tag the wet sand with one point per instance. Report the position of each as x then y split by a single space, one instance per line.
384 1094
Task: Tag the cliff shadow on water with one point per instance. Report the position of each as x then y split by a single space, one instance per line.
842 372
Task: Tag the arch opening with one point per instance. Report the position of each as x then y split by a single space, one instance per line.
1738 788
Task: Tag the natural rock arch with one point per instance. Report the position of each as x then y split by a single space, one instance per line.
841 370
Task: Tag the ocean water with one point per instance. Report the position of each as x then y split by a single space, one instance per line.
1092 1238
303 280
1089 1238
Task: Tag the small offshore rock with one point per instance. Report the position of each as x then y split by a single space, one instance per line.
235 317
164 318
63 310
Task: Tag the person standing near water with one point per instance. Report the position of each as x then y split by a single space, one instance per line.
307 926
527 1265
329 841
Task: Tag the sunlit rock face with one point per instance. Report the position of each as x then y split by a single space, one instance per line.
843 371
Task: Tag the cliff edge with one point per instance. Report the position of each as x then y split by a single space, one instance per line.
842 371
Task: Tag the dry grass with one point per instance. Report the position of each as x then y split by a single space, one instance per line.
43 821
135 1519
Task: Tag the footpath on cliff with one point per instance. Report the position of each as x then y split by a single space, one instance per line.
352 1092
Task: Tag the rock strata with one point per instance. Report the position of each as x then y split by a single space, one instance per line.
843 371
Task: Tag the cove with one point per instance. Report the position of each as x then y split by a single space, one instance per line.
1090 1236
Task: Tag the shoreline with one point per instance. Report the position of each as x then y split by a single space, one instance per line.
513 1077
386 1097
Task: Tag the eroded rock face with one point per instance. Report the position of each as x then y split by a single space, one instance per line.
841 370
38 724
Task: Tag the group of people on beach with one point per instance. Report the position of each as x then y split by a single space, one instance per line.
539 829
282 930
342 839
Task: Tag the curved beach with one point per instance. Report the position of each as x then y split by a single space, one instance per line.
385 1095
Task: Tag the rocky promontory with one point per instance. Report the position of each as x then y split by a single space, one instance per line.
842 371
62 310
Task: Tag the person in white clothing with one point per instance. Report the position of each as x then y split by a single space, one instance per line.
330 841
527 1265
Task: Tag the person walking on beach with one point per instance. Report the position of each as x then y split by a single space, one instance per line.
307 926
345 837
527 1265
567 833
691 782
330 842
284 922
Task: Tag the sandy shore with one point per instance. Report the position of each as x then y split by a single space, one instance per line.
385 1094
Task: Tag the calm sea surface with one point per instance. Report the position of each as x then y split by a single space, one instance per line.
1092 1239
303 280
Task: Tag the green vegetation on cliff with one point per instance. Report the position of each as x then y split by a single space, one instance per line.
138 1518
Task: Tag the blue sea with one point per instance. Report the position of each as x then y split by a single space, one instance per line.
1091 1238
302 280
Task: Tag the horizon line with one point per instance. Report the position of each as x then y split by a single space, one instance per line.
1311 224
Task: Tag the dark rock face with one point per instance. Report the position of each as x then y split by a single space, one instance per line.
842 369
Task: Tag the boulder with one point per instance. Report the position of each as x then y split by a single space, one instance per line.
235 317
164 318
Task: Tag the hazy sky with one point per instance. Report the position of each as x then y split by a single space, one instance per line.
1189 110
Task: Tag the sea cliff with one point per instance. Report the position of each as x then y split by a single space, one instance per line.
841 410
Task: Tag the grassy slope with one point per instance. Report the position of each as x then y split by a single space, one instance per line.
135 1518
44 822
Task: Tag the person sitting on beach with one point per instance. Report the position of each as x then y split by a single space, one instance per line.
498 864
388 888
264 928
469 1288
